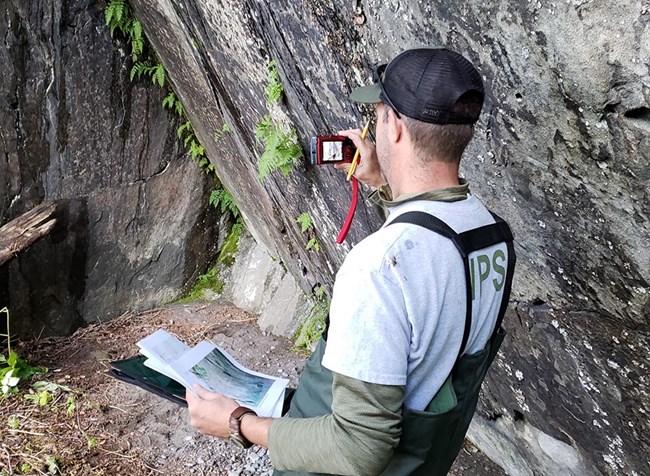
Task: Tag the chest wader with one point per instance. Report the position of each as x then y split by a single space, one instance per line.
431 439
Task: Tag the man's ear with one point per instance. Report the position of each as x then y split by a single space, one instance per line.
395 127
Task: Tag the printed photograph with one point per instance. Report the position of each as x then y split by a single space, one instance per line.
223 377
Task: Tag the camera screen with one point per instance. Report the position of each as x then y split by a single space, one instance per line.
332 151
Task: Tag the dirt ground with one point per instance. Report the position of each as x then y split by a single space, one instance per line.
100 426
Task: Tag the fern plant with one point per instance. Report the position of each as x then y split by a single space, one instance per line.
155 72
313 244
118 16
223 200
307 226
305 222
281 148
274 88
171 102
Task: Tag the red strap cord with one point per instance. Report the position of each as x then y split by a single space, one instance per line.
353 206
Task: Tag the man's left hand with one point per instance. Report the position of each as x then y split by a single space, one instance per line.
210 412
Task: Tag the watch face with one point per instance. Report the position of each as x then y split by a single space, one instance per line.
235 440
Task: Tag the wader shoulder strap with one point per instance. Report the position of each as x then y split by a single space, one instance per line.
436 225
512 260
466 243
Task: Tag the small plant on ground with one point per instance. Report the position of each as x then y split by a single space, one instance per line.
70 405
92 442
314 324
43 392
13 368
13 422
52 465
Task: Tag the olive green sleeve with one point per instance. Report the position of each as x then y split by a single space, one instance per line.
377 200
357 438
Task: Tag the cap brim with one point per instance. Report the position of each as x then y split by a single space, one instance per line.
366 94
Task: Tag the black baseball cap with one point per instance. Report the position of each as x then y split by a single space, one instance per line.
425 84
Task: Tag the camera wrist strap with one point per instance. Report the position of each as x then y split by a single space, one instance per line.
353 206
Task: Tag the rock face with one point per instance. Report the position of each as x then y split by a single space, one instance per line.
561 151
133 219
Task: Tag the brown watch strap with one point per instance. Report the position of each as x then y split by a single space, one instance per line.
234 424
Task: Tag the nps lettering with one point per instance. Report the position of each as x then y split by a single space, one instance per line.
490 270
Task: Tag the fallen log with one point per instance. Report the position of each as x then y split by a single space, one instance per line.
20 233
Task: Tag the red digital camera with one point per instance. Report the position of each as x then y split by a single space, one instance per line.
327 150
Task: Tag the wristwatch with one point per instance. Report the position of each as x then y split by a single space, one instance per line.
235 427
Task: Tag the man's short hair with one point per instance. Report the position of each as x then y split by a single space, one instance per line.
443 142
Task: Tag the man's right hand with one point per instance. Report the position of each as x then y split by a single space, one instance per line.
367 171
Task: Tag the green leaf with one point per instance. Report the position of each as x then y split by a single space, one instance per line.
108 13
305 221
274 88
196 149
264 129
214 198
70 405
169 101
187 126
158 76
119 10
179 107
52 465
223 200
13 359
136 30
44 398
281 148
13 422
45 386
313 243
10 380
140 68
319 292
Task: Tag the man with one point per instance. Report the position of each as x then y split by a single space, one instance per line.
408 301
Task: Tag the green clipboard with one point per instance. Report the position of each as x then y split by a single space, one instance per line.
133 371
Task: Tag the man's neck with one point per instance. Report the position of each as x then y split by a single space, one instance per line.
437 175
